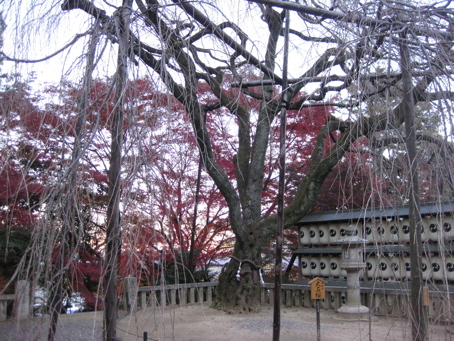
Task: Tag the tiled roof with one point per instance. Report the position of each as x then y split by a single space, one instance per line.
446 207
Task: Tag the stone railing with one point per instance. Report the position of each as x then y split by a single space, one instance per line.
176 294
4 300
382 301
20 300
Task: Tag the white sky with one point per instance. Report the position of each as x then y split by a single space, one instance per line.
28 37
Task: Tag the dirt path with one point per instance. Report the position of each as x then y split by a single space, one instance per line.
201 323
71 327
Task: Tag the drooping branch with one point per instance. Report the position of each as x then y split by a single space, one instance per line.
186 64
314 39
219 33
76 38
188 97
358 18
71 196
441 144
321 165
86 6
331 78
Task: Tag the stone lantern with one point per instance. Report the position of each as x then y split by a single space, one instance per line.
353 263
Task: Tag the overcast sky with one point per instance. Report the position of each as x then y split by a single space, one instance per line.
37 33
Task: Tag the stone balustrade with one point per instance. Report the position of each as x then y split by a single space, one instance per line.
383 301
21 300
176 294
4 300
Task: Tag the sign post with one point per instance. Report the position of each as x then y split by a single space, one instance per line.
317 294
426 301
426 296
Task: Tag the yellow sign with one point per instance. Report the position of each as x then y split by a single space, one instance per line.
317 288
425 296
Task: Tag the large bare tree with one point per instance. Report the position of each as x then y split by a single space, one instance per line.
343 54
348 46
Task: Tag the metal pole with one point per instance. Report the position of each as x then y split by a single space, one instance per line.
317 308
418 320
145 336
280 206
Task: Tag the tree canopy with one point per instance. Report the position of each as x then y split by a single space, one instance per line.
356 70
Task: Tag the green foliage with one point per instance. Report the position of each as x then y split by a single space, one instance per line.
13 245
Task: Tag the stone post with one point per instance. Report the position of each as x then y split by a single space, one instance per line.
353 262
130 290
22 300
3 307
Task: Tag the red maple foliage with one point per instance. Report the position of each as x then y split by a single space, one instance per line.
159 178
160 229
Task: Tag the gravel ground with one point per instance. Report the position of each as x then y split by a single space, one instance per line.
73 327
260 325
199 323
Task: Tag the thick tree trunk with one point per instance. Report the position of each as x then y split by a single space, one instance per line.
244 199
238 290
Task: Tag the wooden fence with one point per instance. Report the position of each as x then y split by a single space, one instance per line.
389 302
